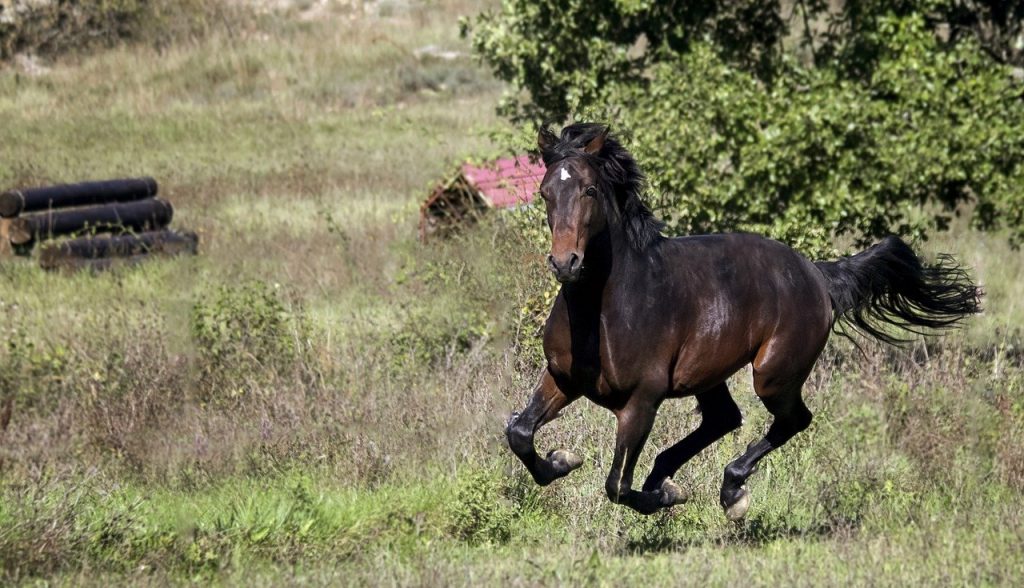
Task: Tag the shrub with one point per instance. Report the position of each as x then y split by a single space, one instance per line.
244 330
478 513
742 125
816 156
55 26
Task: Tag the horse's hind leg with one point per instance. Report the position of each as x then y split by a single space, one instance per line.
719 415
547 400
782 399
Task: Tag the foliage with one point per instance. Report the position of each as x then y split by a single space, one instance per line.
27 367
527 226
434 333
564 53
123 472
846 132
478 513
246 326
56 26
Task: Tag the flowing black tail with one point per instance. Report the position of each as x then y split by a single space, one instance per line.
888 285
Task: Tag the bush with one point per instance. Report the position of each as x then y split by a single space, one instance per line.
852 132
55 26
479 513
246 330
816 156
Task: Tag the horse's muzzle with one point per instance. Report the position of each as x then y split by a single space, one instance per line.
568 269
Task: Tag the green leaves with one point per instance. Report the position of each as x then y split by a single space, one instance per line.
738 130
60 26
247 330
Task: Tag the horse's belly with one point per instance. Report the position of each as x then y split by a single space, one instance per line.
702 365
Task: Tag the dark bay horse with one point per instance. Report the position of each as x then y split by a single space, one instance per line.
641 318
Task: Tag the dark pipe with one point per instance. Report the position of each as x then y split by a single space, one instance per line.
15 202
131 216
53 255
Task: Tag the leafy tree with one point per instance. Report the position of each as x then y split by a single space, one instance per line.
794 121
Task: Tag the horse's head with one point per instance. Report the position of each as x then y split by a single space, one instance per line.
572 193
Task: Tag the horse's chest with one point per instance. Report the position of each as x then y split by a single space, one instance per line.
596 364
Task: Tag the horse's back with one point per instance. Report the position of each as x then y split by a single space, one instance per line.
746 266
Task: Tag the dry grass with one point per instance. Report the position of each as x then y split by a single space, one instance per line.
345 426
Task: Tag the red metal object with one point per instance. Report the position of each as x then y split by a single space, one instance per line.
508 182
504 183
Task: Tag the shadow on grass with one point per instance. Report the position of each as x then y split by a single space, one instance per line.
757 532
661 537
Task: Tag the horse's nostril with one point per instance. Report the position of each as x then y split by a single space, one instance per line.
565 267
574 262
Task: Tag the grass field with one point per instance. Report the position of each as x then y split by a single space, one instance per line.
317 398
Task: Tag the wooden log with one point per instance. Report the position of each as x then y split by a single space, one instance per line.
143 215
15 202
5 242
156 242
101 264
54 255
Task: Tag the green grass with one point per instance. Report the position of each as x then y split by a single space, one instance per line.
345 425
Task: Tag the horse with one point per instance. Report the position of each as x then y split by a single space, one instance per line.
641 318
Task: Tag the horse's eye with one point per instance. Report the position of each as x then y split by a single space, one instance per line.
591 191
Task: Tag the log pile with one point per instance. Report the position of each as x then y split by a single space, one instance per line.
110 223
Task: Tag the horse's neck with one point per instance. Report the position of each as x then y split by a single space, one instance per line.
619 255
609 259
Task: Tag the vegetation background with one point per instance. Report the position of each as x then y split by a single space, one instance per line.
806 120
318 398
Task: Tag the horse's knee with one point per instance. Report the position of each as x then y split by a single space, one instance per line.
520 438
787 426
802 419
720 414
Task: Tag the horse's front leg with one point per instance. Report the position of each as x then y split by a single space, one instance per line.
634 425
547 400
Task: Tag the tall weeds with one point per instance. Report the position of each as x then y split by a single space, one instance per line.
54 27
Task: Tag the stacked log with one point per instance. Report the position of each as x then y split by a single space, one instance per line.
108 220
5 241
95 251
15 202
135 216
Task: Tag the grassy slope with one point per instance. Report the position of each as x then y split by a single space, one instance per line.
361 440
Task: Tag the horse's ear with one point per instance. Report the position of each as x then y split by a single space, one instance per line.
545 139
597 143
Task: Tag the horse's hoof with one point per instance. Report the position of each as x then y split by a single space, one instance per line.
564 461
737 510
672 494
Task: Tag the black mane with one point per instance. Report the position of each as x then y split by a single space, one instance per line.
618 169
